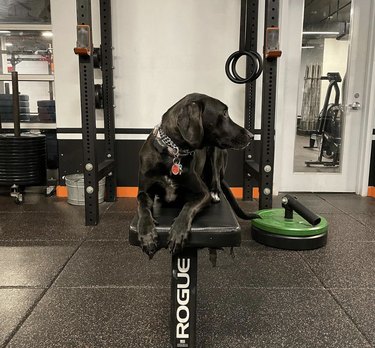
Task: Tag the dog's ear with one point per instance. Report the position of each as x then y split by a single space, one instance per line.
189 123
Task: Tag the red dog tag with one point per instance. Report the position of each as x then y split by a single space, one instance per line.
176 169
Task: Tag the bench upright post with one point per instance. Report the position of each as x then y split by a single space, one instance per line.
184 299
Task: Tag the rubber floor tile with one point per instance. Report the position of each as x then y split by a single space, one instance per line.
14 305
273 318
38 226
344 265
345 228
32 264
112 226
367 220
256 266
360 305
123 205
114 263
351 203
134 318
39 203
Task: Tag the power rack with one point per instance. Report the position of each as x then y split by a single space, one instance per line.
92 96
258 163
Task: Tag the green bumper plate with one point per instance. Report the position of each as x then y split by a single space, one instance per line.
273 221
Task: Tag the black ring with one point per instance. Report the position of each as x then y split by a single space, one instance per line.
230 66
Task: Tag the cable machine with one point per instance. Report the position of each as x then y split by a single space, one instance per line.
92 96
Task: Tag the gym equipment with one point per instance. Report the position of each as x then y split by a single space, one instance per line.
21 97
258 160
6 107
328 130
254 66
310 101
89 59
22 156
98 96
280 228
215 227
46 111
97 57
46 103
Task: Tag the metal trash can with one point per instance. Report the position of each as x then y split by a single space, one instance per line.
76 189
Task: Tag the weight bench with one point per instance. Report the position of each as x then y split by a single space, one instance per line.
215 227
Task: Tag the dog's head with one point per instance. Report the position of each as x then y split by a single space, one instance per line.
204 121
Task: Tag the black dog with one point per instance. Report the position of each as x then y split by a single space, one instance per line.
184 158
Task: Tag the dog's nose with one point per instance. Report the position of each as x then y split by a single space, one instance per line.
249 134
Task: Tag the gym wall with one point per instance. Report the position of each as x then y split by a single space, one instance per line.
163 50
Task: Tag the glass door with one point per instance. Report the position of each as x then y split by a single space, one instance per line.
322 93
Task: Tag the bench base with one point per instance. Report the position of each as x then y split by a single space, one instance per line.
184 299
215 227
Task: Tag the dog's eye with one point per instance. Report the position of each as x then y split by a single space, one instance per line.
225 113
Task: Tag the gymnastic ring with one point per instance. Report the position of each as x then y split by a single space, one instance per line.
231 62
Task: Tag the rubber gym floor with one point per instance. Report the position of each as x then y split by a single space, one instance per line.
63 284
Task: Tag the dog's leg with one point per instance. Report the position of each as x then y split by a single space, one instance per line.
218 160
147 235
180 229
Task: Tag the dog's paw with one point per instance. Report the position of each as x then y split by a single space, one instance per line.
178 236
149 244
215 197
148 239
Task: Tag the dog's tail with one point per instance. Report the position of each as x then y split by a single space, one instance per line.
233 202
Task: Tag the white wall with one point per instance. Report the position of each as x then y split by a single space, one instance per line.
164 49
64 22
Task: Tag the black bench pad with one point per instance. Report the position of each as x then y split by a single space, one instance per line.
214 227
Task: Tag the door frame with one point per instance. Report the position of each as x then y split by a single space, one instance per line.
290 43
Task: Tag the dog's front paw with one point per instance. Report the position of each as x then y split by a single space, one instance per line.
215 196
148 238
178 236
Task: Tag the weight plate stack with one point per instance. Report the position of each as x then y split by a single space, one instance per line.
46 110
22 159
6 107
274 230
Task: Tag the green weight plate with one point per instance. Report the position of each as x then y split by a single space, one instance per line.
273 221
289 242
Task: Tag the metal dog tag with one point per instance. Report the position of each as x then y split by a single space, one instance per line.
176 168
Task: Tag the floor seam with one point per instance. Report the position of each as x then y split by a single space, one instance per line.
40 297
329 290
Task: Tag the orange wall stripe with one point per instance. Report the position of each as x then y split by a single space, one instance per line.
132 191
237 192
61 191
371 191
127 191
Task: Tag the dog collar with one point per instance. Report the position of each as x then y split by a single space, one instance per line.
163 142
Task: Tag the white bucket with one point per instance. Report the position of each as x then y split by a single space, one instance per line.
76 189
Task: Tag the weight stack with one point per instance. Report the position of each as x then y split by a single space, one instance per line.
6 108
22 159
47 111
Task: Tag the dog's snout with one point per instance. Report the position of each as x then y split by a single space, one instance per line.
249 135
